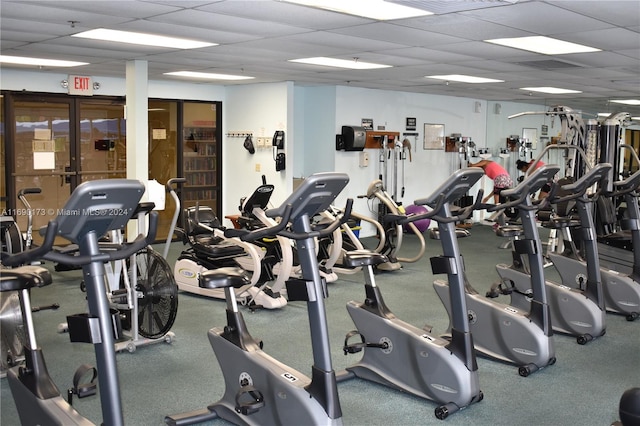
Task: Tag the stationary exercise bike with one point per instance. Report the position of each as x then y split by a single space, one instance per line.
621 292
404 357
621 286
518 335
260 390
12 240
577 308
94 208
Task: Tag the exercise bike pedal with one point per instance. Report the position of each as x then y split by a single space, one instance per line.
254 402
83 390
354 348
498 289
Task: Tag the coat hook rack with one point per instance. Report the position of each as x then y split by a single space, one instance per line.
238 134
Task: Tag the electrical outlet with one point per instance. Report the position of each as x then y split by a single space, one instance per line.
257 167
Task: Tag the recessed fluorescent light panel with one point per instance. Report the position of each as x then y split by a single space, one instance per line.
353 64
374 9
465 78
40 62
627 101
142 38
544 45
552 90
208 76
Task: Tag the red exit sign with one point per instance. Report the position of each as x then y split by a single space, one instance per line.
80 85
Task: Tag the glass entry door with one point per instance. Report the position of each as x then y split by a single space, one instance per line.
103 147
43 158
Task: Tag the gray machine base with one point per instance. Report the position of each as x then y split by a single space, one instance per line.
502 331
571 311
425 367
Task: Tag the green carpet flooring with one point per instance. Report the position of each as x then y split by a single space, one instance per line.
582 388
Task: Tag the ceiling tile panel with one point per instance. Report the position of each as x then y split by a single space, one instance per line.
258 37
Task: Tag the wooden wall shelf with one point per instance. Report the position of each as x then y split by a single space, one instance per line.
373 138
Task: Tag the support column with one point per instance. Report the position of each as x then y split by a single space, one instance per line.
137 116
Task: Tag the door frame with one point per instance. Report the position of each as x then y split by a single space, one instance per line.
9 99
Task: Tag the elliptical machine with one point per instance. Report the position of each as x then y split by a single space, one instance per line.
210 249
94 208
521 336
404 357
577 307
393 228
259 389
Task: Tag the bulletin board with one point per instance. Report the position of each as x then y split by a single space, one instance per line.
433 136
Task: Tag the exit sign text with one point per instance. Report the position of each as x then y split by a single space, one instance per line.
80 85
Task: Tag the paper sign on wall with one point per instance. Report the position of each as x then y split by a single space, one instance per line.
44 160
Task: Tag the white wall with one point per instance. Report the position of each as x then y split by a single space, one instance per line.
261 109
428 168
312 116
12 79
315 113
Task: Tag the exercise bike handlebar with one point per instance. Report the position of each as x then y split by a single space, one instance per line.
45 250
281 227
531 184
404 219
597 174
439 203
630 184
246 235
326 230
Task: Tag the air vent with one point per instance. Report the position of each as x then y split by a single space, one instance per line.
548 64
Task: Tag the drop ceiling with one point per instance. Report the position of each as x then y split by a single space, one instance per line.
257 38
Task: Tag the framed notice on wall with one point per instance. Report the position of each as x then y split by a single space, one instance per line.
531 136
433 136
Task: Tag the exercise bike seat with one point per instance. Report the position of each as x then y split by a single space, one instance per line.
560 222
24 277
357 258
510 231
224 277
